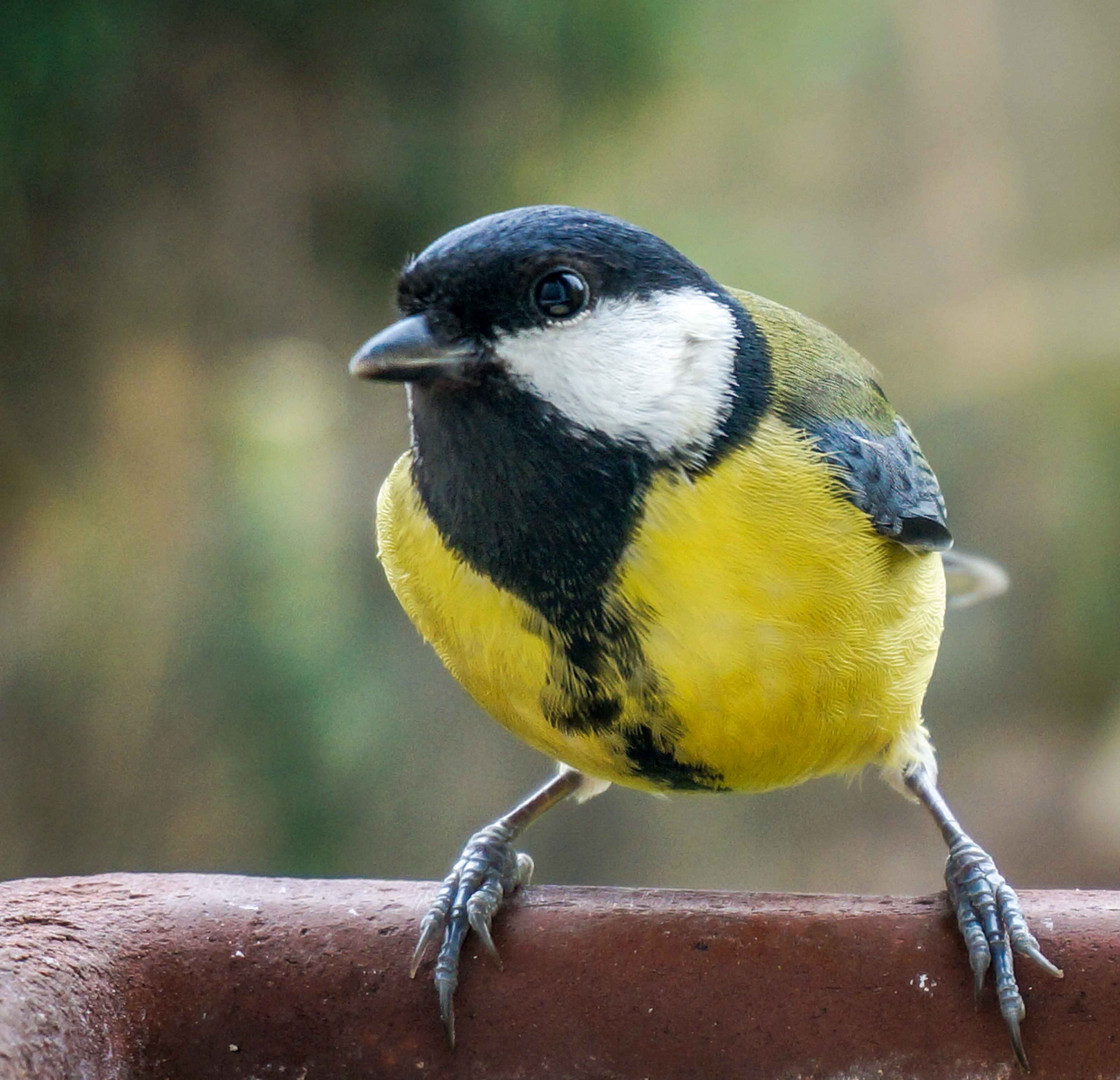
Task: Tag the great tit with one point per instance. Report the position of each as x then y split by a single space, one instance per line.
669 533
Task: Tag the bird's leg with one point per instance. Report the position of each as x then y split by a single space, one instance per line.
987 909
488 871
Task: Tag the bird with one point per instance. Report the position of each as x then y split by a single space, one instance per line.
670 534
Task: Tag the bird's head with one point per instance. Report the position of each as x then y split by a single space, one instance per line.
610 326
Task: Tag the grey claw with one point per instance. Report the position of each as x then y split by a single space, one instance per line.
1035 953
1022 940
1017 1042
979 974
480 924
979 952
430 929
447 1010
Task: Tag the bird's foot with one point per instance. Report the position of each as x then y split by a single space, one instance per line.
488 871
994 928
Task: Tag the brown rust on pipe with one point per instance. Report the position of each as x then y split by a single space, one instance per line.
198 976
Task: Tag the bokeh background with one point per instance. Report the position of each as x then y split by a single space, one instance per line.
202 206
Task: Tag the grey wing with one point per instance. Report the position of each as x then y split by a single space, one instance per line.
888 478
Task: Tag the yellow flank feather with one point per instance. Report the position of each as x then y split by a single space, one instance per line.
782 637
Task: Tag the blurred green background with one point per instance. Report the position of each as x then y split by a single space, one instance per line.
203 206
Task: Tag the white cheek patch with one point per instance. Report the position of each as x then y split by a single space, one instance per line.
657 370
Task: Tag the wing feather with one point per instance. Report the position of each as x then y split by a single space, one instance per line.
822 386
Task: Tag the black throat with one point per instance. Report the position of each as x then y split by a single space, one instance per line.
540 509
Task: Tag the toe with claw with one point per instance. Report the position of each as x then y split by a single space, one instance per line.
488 871
994 928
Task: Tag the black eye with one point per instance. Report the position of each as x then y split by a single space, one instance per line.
560 294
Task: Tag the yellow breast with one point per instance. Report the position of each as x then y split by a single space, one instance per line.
780 636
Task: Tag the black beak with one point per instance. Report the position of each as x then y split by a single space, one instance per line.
408 350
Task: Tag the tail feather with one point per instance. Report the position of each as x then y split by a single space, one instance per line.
971 579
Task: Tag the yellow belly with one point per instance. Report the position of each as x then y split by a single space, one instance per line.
785 639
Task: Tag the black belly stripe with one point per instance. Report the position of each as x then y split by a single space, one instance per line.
585 715
660 765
